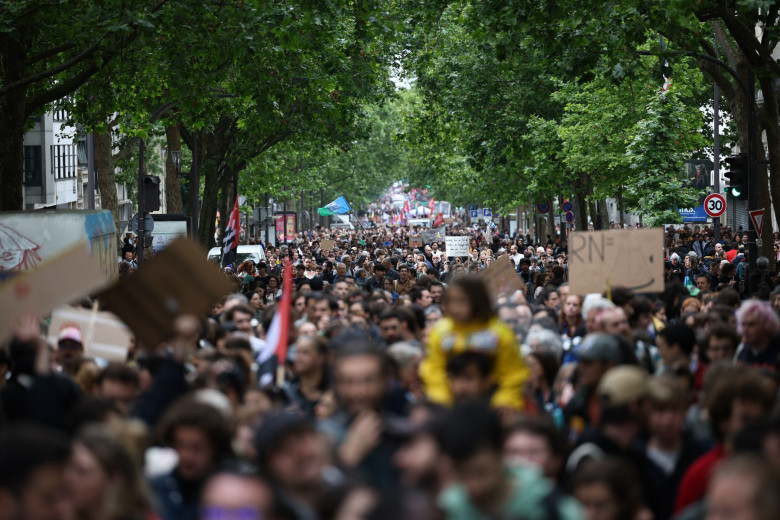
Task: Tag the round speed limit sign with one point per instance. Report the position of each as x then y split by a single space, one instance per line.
715 205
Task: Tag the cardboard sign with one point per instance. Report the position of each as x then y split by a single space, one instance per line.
177 281
457 246
328 245
66 277
104 334
502 278
415 241
434 235
630 258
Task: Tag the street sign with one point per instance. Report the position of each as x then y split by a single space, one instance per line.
569 216
544 207
474 213
472 207
487 213
567 206
715 205
757 216
148 223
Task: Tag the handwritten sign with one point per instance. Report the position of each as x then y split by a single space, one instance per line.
630 258
66 277
415 241
328 245
502 278
457 246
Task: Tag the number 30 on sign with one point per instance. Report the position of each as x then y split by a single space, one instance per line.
715 205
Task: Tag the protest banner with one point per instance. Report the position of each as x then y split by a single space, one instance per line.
415 241
457 246
328 245
434 235
502 278
629 258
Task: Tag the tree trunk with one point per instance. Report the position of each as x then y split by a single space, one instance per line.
604 214
172 177
581 191
771 125
620 210
208 209
12 122
550 225
104 163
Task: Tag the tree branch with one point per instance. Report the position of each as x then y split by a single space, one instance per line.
49 52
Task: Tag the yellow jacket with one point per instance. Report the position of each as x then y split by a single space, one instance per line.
496 338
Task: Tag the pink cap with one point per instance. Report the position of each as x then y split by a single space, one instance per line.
70 332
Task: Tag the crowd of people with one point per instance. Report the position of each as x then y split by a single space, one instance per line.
411 390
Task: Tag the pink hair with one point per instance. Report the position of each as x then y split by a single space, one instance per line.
767 317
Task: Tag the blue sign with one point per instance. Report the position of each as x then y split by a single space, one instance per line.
696 214
472 207
474 213
486 212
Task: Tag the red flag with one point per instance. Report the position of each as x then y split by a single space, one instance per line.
279 330
431 205
230 241
439 220
407 209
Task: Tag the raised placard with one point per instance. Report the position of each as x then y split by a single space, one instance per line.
629 258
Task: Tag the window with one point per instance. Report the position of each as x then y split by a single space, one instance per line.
63 161
33 169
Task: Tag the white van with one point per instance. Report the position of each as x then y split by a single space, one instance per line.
249 252
341 221
421 222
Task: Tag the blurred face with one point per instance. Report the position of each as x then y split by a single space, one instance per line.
196 455
458 306
296 462
590 372
720 349
752 331
482 475
45 497
243 322
300 304
307 358
553 300
390 330
572 306
732 497
702 283
598 501
469 384
255 301
615 322
360 382
417 458
341 289
436 293
86 480
524 448
666 424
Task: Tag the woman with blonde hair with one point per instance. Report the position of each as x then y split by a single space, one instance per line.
104 481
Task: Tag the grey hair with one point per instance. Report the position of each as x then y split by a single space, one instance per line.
595 302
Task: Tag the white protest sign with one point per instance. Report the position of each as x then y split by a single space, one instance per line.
457 246
629 258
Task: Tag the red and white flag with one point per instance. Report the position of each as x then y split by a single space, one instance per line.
277 338
230 241
431 205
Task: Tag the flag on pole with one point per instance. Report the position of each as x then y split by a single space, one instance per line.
278 332
339 206
431 205
407 209
230 241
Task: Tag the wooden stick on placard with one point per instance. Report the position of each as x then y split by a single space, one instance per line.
280 375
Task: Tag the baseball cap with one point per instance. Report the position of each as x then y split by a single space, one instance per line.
599 347
71 333
622 385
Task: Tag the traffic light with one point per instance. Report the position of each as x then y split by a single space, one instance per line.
737 176
151 193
